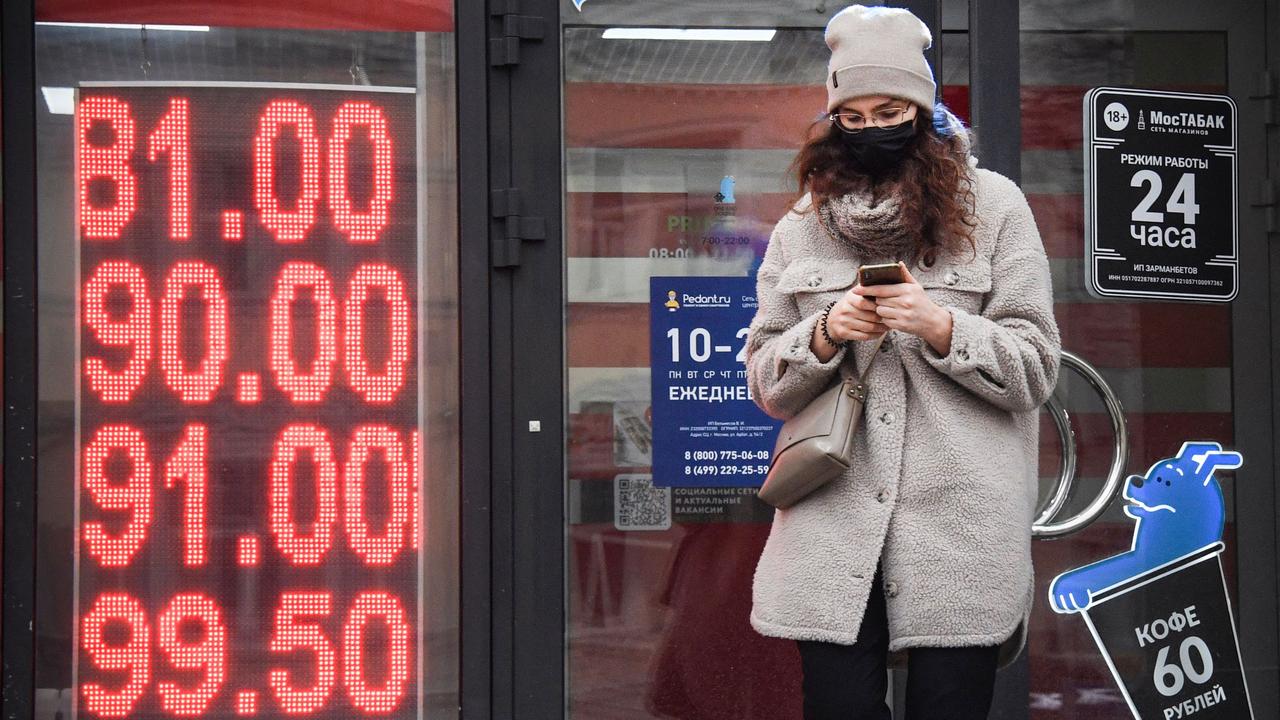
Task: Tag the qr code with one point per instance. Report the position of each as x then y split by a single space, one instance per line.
638 505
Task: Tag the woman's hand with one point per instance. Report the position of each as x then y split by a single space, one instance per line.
905 306
854 317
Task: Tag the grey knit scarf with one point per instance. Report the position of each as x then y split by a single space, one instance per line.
871 226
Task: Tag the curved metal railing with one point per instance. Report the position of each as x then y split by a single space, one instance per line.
1044 525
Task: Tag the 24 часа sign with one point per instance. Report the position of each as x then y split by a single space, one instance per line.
1160 194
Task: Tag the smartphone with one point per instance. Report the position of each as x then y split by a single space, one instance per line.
883 274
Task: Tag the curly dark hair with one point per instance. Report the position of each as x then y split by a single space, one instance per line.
935 188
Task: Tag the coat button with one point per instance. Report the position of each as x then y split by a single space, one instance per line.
885 345
962 354
882 495
951 278
814 280
886 417
891 589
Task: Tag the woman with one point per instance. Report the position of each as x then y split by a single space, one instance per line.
922 549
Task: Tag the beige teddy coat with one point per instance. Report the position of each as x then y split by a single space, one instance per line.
943 485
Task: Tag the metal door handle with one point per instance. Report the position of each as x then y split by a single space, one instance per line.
1044 526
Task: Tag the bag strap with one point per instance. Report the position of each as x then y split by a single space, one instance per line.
862 379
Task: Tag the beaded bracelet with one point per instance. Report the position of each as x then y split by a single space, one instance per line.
826 335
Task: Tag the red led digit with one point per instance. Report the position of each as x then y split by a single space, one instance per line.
360 227
248 388
290 635
209 654
201 385
248 551
109 162
189 465
303 548
415 463
232 225
246 702
133 331
377 387
378 549
173 137
311 386
384 699
287 226
132 656
134 495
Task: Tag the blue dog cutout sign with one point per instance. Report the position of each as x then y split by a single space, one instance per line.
1179 509
1160 612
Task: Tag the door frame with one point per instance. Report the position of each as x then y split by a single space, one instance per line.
994 66
513 585
18 90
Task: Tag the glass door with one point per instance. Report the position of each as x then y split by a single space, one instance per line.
1171 392
679 121
675 158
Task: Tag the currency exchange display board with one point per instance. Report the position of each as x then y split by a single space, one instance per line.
247 402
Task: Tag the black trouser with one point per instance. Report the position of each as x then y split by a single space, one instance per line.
848 682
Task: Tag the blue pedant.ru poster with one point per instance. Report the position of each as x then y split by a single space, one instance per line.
707 431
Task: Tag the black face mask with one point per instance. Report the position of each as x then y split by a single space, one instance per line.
879 149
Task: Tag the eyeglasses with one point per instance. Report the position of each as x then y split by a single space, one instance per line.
852 122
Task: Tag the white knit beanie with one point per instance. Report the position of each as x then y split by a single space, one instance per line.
878 51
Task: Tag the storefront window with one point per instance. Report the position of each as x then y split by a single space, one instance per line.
676 153
1170 393
247 254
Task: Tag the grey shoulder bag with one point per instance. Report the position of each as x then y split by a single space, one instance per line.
816 446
